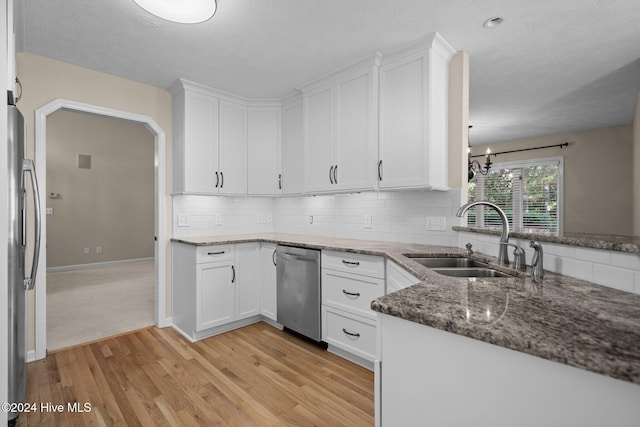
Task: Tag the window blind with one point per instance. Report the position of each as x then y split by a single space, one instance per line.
528 192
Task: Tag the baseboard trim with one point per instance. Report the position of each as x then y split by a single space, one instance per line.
30 356
351 357
96 264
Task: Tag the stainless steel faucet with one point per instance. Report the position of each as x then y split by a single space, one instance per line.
503 253
536 262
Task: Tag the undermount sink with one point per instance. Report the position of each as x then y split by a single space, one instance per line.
434 262
471 272
459 267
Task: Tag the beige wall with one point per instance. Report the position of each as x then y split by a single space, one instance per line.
111 205
636 170
598 172
45 80
458 121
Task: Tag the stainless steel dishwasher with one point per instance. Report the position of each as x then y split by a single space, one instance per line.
298 290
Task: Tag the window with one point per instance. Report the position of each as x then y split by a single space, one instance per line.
529 192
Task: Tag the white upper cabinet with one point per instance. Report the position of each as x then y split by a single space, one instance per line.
209 143
413 114
319 139
340 130
265 150
292 147
232 150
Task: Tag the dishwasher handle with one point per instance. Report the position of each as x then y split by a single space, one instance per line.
297 257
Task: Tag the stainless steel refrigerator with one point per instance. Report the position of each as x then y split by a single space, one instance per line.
18 281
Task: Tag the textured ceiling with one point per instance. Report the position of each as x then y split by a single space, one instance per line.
552 66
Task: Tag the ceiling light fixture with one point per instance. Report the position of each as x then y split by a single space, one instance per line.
183 12
492 22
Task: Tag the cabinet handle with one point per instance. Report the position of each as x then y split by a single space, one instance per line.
351 294
380 170
273 257
217 179
350 263
331 174
221 180
353 334
233 278
279 181
215 253
335 174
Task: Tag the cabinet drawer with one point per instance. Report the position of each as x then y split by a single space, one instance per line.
351 292
215 253
349 333
368 265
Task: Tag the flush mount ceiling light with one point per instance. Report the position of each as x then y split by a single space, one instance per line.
492 22
183 12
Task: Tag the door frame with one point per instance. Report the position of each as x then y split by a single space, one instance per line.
159 135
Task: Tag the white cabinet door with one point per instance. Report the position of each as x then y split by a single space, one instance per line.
232 149
414 87
215 294
292 149
247 280
356 145
319 139
268 267
196 142
403 126
264 150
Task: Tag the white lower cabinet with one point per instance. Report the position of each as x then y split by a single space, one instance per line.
215 288
268 305
349 283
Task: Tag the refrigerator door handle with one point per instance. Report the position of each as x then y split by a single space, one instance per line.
28 166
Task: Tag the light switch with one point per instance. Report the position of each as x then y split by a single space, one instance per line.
436 223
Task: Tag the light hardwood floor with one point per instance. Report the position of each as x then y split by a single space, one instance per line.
256 375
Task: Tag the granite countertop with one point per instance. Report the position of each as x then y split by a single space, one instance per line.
562 319
610 242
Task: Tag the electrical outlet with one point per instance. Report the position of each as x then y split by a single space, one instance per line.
367 221
98 249
183 220
269 218
86 251
310 219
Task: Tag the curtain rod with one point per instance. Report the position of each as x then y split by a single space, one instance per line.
564 144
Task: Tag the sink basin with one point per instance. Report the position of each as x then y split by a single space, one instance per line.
449 262
471 272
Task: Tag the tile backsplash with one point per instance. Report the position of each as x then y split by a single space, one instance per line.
395 216
619 270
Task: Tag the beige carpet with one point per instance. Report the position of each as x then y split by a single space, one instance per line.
87 304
